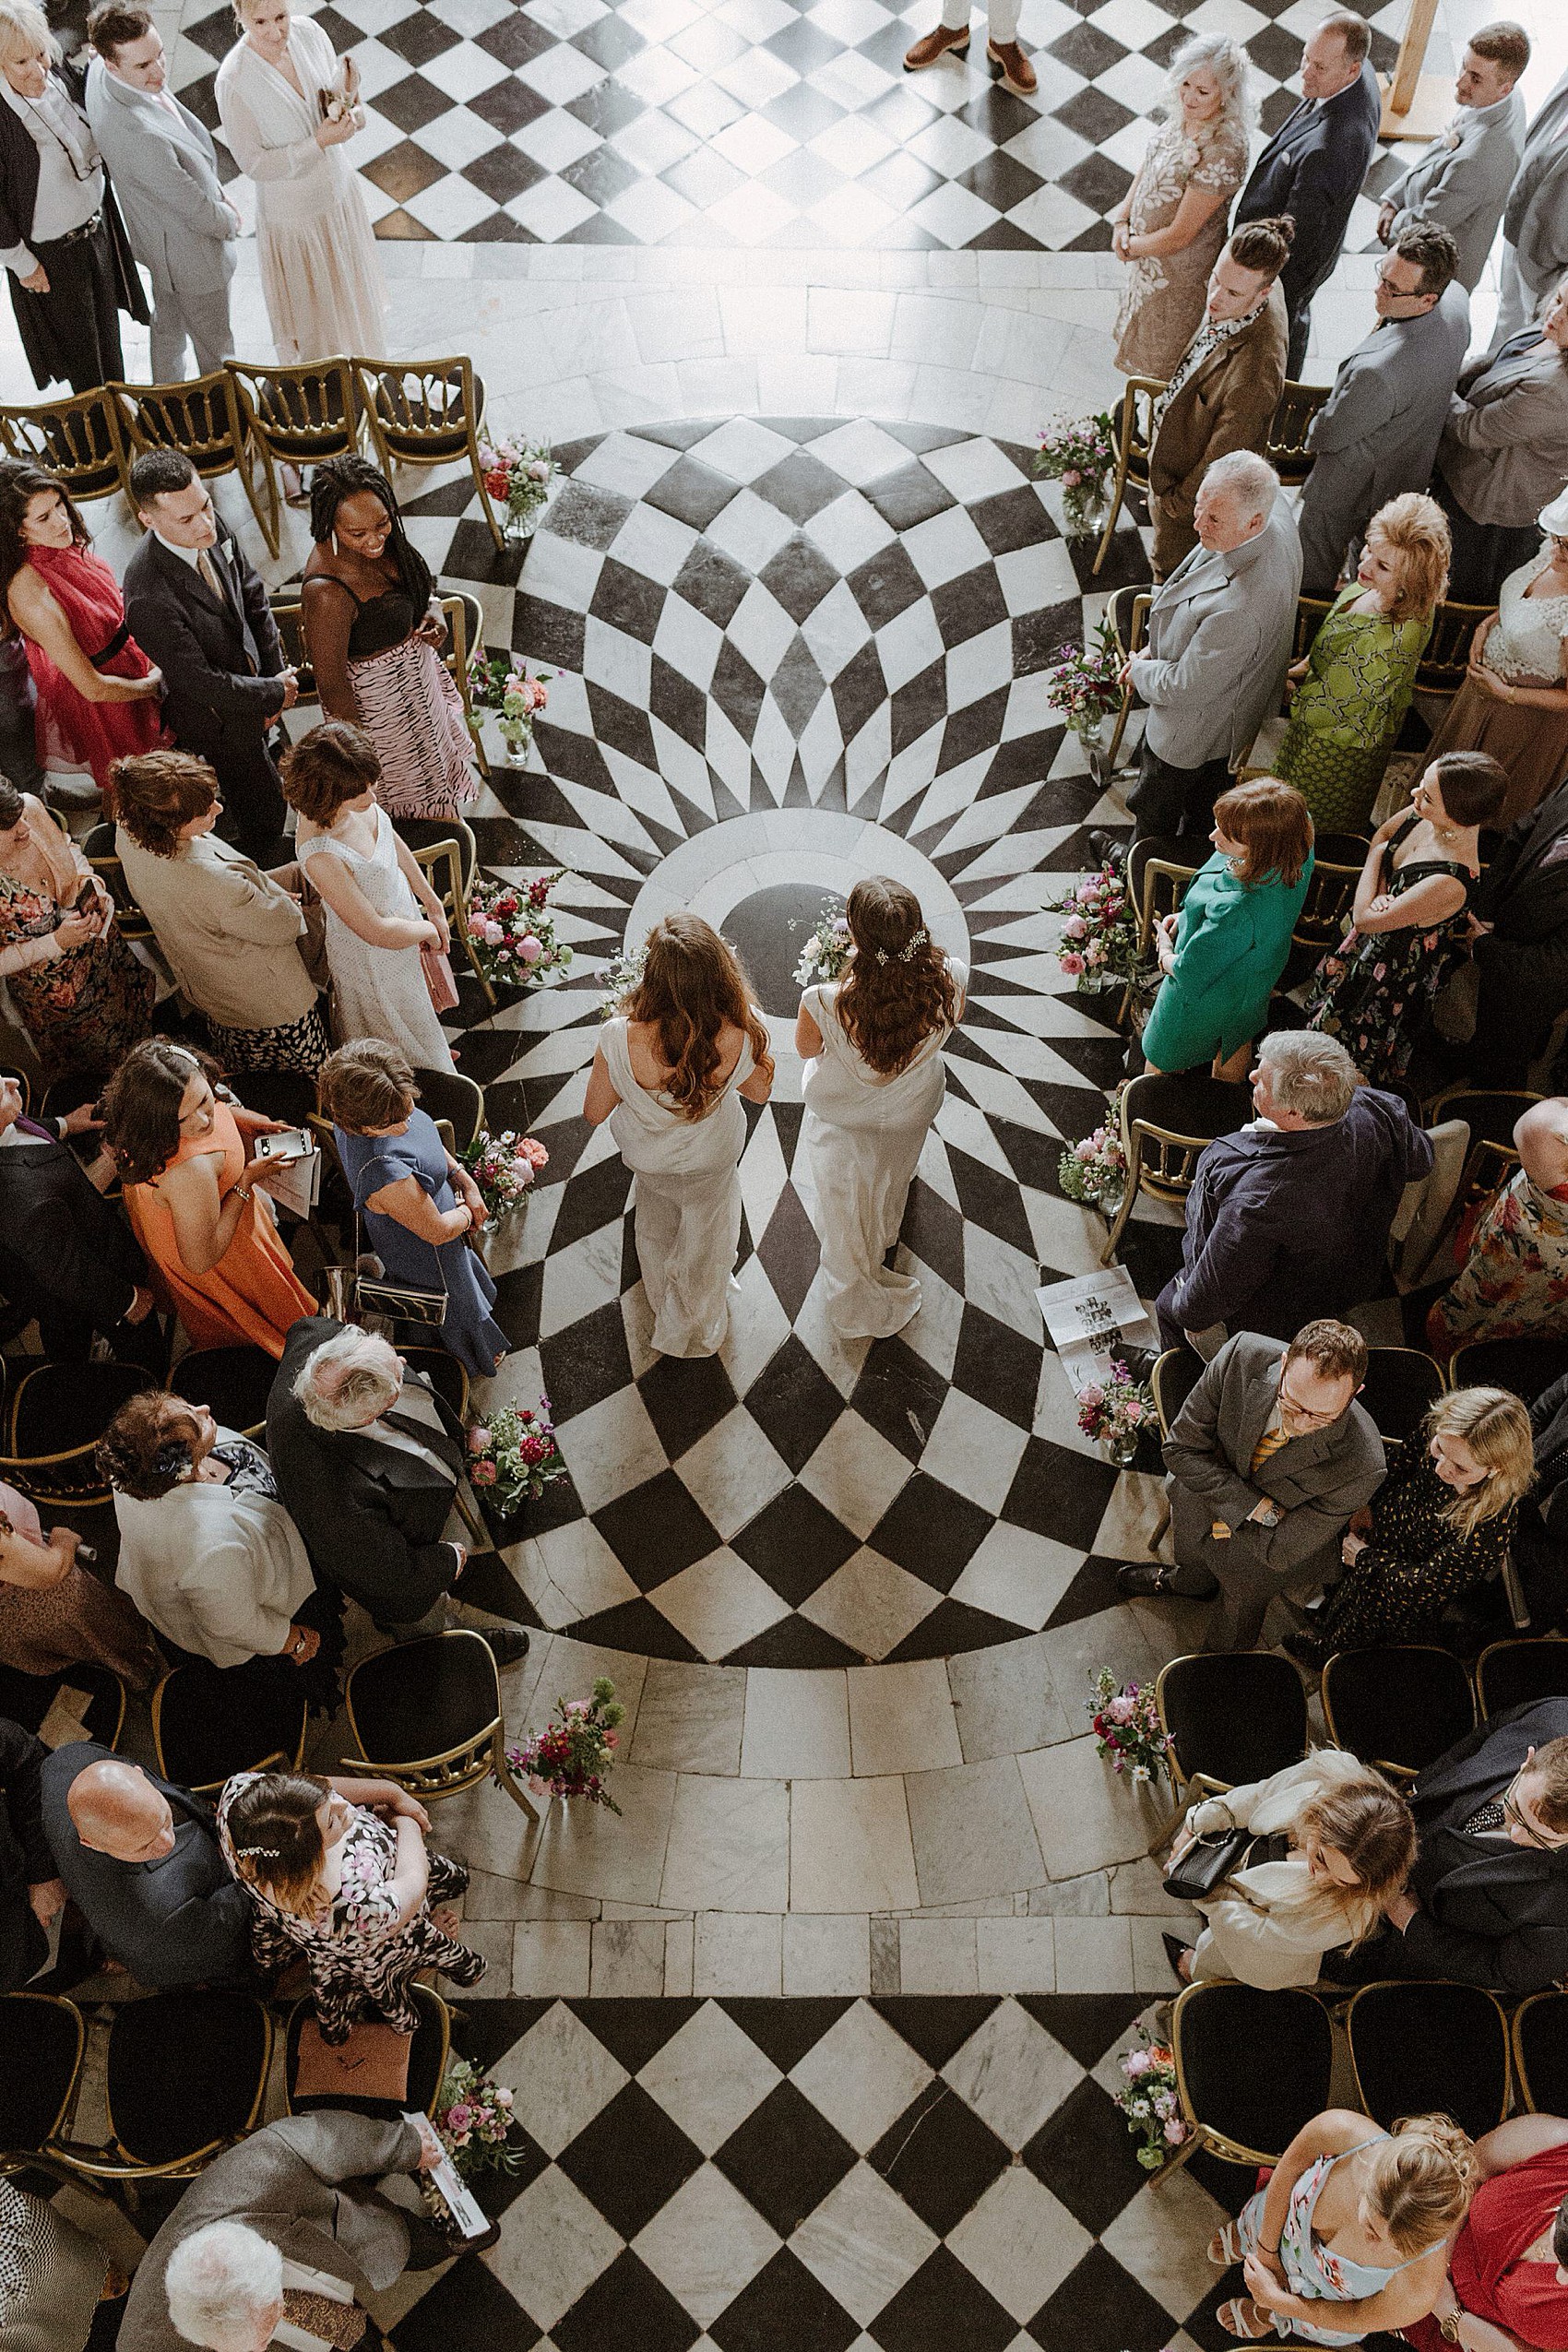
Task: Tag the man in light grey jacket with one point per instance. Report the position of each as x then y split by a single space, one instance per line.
182 228
1461 183
1219 636
1535 219
1378 433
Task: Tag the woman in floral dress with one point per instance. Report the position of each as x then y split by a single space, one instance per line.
1408 923
1514 1277
78 990
1171 224
337 1870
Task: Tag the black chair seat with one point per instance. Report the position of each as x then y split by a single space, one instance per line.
423 1698
288 1094
1399 1706
1254 2066
1234 1715
1341 848
60 1407
234 1382
1401 1387
1511 1674
1525 1367
451 1096
1540 2046
1430 2048
210 1721
427 2063
26 1699
1190 1104
41 2048
183 2069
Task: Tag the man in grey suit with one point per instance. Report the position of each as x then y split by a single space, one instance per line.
1268 1459
1461 183
1378 431
164 167
1535 219
1219 636
290 2227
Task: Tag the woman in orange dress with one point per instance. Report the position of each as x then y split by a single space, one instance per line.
193 1198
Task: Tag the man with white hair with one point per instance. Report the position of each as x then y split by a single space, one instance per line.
1289 1220
282 2238
367 1469
1219 636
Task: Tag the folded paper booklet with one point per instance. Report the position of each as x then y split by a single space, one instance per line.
467 2217
1091 1318
293 1182
371 2064
66 1718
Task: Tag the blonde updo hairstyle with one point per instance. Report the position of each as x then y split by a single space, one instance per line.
1421 2181
898 987
1414 530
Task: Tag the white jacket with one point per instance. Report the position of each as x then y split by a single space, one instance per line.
1271 1924
221 1573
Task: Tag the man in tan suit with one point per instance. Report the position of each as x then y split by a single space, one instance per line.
1226 383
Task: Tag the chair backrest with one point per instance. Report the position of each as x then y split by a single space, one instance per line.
288 615
101 855
1176 1373
460 640
1491 1113
1131 427
454 1097
73 1402
185 2075
1175 1119
407 1697
301 414
1429 2049
1527 1366
1442 668
1161 886
422 832
1311 613
1540 2052
1137 623
41 2041
1401 1387
1252 2067
1232 1716
234 1382
1325 917
1512 1673
206 1726
203 418
421 412
1286 447
1398 1707
77 440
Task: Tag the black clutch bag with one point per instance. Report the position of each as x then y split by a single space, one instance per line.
1207 1863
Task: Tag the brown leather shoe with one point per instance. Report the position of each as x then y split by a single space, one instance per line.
932 47
1017 74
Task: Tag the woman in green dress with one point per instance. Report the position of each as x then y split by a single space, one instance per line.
1222 955
1352 690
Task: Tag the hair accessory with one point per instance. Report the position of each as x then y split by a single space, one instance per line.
907 953
172 1459
273 1853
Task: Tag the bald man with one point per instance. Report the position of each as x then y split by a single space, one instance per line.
141 1859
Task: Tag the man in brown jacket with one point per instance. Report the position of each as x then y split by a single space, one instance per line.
1226 383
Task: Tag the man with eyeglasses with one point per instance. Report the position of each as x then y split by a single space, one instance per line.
1488 1898
1268 1459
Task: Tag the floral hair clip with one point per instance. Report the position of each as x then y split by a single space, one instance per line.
907 954
272 1853
172 1458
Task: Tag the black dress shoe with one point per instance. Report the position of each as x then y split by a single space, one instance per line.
1307 1650
1111 849
507 1642
1155 1581
1174 1947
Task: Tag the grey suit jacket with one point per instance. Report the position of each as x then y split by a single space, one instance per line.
1534 220
1219 636
1461 183
164 168
1318 1481
306 2184
1377 434
1504 448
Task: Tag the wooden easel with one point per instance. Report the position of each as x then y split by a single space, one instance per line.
1416 106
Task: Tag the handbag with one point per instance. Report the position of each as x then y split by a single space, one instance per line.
352 1292
441 986
1205 1864
371 2064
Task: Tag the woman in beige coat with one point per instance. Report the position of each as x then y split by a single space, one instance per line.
1345 1841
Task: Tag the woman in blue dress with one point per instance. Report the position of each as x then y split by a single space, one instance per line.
419 1204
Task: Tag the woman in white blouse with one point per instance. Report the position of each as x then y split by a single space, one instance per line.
288 106
207 1553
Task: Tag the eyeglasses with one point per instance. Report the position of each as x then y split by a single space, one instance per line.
1513 1812
1301 1413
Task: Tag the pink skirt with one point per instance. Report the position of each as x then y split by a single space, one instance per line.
414 714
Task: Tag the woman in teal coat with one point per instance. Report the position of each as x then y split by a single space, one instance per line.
1223 954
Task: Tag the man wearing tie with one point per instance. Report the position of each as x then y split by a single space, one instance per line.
182 229
190 592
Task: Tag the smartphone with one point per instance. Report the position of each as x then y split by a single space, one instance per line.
86 901
293 1144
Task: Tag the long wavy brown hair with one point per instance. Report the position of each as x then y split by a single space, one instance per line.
894 994
693 983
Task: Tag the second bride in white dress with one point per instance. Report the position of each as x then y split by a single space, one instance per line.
668 1074
872 1043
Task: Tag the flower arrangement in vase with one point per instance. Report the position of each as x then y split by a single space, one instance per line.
1116 1412
503 1166
517 475
573 1755
513 1456
1086 685
512 930
1128 1732
1152 2102
1081 455
474 2122
827 947
500 681
1095 1168
1100 935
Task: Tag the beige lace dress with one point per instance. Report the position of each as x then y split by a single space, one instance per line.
1164 299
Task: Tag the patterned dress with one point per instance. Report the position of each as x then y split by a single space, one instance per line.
1164 300
1347 711
1415 1563
361 1962
51 2275
84 1010
408 706
1515 1276
1374 993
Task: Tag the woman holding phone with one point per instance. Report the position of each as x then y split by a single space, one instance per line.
78 990
288 106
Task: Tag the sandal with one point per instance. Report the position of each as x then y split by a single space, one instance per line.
1226 2248
1236 2318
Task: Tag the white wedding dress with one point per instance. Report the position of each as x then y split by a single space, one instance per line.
688 1208
862 1136
379 992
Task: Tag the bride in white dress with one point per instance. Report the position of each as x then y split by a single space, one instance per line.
669 1072
380 910
871 1044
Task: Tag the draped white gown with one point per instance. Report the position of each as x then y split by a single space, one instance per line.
862 1136
688 1204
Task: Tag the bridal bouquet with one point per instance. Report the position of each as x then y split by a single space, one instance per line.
1099 937
572 1756
826 950
513 931
517 474
503 1166
1095 1170
513 1456
1082 457
1086 686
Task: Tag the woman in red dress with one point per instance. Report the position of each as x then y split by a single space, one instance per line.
1507 2288
98 693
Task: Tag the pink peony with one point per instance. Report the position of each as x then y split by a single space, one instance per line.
1136 2062
483 1473
1071 478
1075 928
612 1739
459 2117
1121 1710
479 1439
1175 2132
530 948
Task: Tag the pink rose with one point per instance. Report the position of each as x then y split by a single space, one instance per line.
1175 2132
612 1739
530 948
1071 478
1136 2062
483 1473
479 1439
1075 928
1071 965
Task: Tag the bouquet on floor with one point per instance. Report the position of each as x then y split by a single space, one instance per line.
474 2122
826 950
1095 1170
1151 2103
503 1166
513 931
572 1756
1128 1732
1082 457
1116 1412
517 475
500 681
513 1456
1086 686
1100 935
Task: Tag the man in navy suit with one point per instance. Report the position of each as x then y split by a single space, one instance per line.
1313 166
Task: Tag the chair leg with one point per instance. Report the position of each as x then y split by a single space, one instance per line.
488 510
1162 1530
1518 1607
522 1798
1184 2155
1117 494
460 923
1114 749
272 535
475 1527
1166 1833
1134 1171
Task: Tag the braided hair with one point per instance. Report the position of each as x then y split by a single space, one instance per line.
340 478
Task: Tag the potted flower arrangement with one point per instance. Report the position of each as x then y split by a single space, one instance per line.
1099 937
826 950
1095 1168
513 1456
500 681
1086 685
572 1756
1128 1732
503 1166
1082 457
474 2122
512 931
1151 2103
517 475
1116 1412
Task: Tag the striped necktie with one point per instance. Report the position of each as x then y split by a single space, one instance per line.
1268 1444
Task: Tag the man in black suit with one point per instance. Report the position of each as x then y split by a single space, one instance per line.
64 1256
30 1891
140 1859
367 1469
191 594
1488 1898
1313 166
1520 923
